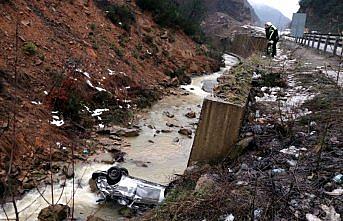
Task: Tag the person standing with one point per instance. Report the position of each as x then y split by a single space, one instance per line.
272 36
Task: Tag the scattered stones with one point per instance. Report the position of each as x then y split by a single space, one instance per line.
185 131
56 212
191 114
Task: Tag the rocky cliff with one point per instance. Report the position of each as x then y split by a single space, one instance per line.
63 63
323 15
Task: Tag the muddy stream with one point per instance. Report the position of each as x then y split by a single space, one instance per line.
153 155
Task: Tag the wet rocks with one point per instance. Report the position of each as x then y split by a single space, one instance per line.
57 212
185 131
191 114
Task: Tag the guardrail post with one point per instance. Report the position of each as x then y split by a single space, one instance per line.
313 40
326 42
302 40
319 42
308 40
336 45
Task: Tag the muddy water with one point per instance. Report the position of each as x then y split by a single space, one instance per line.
156 154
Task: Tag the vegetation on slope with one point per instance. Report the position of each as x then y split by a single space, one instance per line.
323 15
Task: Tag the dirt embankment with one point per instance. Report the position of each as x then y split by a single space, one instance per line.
288 165
74 57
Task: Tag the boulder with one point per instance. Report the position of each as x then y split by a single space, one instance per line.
57 212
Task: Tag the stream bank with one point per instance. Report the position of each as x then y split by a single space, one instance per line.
158 153
290 153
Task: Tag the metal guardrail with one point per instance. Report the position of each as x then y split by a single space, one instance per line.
330 43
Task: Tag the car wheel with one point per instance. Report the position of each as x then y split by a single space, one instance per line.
114 175
96 175
124 171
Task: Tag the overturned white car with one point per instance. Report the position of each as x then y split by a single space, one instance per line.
116 184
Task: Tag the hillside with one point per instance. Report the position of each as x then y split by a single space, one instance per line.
77 58
266 13
323 15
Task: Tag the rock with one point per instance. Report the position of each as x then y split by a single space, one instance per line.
114 137
170 125
151 141
68 171
119 131
166 131
94 218
25 22
168 114
29 185
205 183
185 131
57 212
176 140
107 159
208 85
175 82
140 163
191 114
185 79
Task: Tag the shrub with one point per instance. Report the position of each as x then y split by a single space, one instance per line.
121 15
187 15
30 48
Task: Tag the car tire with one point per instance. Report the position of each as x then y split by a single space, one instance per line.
124 171
114 175
96 175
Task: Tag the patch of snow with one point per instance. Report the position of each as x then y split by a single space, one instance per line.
292 150
58 123
36 103
89 83
101 126
110 72
98 112
230 217
45 92
84 73
100 89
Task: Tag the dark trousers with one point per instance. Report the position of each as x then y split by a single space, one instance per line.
273 48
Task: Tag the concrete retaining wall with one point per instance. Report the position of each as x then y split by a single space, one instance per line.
218 130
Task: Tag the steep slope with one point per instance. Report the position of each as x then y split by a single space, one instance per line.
266 13
224 17
323 15
74 57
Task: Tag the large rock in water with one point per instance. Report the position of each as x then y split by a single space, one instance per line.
120 131
57 212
